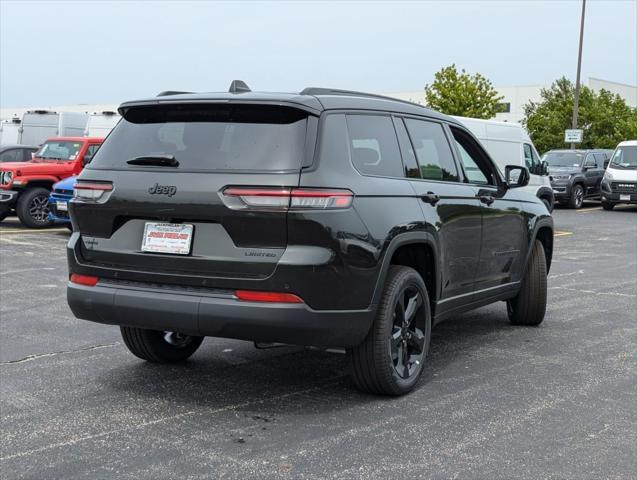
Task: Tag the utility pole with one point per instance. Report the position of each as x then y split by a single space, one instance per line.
579 67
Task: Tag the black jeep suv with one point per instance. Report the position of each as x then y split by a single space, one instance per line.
326 218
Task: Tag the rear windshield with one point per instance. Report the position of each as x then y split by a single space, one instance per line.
563 159
208 137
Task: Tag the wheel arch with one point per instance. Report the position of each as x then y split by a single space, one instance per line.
544 233
418 250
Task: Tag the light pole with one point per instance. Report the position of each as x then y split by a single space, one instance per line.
579 67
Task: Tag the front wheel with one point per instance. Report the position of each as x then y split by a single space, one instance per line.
608 205
391 358
33 208
577 196
529 306
160 347
4 210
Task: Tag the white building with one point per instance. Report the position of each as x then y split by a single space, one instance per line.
516 97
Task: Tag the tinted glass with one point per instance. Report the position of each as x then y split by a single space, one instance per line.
476 163
209 137
407 149
12 155
432 150
590 161
373 145
600 158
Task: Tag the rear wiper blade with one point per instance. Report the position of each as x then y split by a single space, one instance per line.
155 160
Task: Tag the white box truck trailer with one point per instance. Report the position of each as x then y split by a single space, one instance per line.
10 131
100 124
38 125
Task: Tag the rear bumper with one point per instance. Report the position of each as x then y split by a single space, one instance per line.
217 314
54 213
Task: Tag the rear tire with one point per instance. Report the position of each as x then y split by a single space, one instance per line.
160 347
577 196
608 205
391 358
33 208
529 306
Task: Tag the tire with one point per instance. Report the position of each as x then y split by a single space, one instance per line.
548 204
157 347
69 226
529 306
4 211
608 205
577 196
33 208
391 358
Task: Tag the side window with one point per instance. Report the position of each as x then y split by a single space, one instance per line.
407 149
528 155
90 152
373 145
600 158
12 155
590 161
474 160
27 153
432 150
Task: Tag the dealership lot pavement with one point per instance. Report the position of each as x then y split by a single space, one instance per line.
495 401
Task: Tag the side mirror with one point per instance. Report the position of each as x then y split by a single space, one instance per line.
606 162
545 167
516 176
86 160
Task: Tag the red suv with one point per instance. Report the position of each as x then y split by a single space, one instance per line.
25 186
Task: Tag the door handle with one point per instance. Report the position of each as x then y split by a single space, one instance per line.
430 197
488 199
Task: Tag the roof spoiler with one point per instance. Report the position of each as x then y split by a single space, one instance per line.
166 93
239 86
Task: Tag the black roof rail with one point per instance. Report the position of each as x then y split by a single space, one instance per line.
351 93
239 86
166 93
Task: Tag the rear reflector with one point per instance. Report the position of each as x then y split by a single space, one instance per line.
88 280
286 198
91 191
252 296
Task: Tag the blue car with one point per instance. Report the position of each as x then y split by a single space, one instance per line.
59 201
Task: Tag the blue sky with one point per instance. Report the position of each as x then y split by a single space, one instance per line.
67 52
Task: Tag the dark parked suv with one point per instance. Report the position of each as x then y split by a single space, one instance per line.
325 218
576 174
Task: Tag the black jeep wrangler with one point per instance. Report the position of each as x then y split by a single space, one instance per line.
325 218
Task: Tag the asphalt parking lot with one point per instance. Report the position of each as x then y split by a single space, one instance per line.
495 401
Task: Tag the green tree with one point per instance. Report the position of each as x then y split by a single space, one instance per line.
605 117
458 93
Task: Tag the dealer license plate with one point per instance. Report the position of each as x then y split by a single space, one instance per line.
175 238
625 198
61 206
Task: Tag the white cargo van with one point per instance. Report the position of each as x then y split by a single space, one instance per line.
509 144
100 124
10 131
619 184
38 125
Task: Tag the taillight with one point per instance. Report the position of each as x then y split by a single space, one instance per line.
285 198
88 280
276 297
91 191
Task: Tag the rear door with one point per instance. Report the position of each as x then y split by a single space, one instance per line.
218 152
446 202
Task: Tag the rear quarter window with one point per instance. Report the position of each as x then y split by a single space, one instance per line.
373 145
209 137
